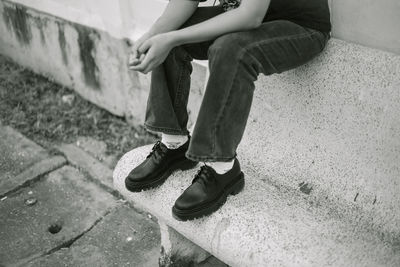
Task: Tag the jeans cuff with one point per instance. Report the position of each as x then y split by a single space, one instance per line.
166 130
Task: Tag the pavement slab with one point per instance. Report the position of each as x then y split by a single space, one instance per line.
123 238
17 153
22 160
30 174
50 214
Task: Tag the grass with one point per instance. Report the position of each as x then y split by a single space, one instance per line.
50 114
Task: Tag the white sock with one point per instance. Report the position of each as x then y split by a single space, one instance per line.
173 141
220 167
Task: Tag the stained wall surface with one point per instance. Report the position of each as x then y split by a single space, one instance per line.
366 22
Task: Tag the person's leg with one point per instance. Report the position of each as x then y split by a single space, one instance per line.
235 61
167 113
170 82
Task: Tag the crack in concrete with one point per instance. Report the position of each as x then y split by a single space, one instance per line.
69 243
66 244
97 182
33 180
88 174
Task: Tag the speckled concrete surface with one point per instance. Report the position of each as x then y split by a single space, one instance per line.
334 126
264 225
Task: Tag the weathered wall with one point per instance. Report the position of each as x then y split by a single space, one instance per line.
91 61
88 60
367 22
100 14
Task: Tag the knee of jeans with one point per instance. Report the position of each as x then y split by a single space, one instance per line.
179 52
228 45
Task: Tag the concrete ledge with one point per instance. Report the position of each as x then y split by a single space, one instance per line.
321 153
331 129
264 225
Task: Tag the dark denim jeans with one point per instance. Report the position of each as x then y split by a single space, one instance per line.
235 61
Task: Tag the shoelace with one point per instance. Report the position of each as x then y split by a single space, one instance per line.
157 151
204 176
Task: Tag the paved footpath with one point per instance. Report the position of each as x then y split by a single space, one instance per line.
59 209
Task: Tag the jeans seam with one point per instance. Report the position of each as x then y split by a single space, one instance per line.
226 102
290 37
178 91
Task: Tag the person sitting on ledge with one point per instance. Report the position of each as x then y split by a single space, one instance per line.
240 39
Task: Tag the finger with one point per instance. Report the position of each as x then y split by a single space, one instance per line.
147 70
138 67
132 60
152 65
136 61
146 60
143 65
149 66
134 54
142 49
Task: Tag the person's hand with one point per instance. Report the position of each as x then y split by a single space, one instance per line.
155 50
134 56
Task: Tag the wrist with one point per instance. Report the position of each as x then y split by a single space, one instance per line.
173 38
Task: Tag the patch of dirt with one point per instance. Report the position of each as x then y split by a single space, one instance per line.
50 114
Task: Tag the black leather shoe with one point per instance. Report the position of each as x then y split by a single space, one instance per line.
158 166
208 192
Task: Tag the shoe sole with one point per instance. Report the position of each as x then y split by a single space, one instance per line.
233 189
137 187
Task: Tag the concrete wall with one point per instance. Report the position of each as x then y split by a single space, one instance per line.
88 59
100 14
366 22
